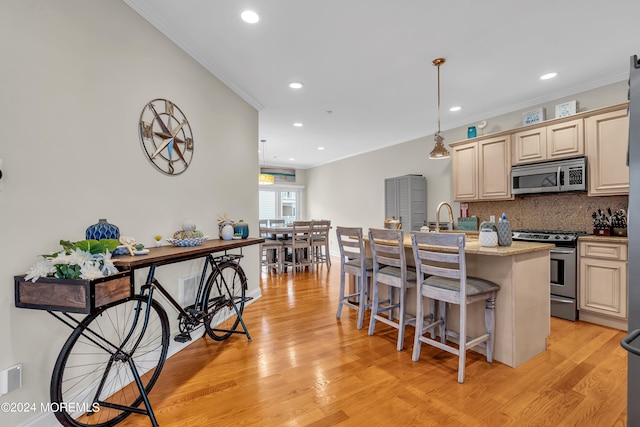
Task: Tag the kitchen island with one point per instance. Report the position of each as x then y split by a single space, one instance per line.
523 302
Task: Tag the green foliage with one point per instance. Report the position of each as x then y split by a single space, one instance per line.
92 246
68 271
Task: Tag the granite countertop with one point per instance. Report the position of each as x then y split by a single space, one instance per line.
604 239
473 247
516 248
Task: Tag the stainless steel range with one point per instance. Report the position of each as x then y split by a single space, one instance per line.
564 268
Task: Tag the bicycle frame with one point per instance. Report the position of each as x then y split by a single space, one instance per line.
151 284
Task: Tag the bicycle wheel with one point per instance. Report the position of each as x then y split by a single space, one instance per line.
219 304
92 382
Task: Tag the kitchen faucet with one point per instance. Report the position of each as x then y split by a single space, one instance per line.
438 215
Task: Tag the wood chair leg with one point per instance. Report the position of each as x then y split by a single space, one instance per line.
341 297
489 318
415 355
361 300
443 319
374 308
402 318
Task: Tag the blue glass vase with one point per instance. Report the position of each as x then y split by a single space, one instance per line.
241 228
102 230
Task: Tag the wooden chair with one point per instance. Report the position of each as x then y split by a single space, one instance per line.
320 241
447 283
278 223
271 251
299 247
390 268
353 261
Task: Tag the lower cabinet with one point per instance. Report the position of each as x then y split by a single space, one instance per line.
602 283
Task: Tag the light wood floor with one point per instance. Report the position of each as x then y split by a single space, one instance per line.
304 367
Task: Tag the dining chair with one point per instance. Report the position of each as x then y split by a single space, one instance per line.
320 241
390 269
279 223
271 251
353 261
299 247
441 268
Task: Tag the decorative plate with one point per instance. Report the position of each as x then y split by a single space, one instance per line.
196 241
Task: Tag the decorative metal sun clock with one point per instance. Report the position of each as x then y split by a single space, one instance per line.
165 135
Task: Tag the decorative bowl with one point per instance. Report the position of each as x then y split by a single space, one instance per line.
196 241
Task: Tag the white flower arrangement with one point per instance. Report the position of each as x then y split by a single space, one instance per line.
86 259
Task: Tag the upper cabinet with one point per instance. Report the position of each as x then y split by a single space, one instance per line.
607 137
481 169
551 142
465 171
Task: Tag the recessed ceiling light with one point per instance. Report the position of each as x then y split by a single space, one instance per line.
320 148
249 16
548 76
291 158
456 108
298 124
295 85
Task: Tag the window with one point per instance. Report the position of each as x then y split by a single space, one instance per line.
280 203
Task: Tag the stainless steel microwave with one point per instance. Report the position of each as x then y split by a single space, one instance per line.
550 177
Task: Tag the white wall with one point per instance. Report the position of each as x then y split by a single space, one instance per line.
350 192
75 76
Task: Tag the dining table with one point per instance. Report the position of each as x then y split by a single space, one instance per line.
277 231
283 230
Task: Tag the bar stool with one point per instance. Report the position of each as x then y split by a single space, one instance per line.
447 282
299 247
354 262
271 252
320 241
390 268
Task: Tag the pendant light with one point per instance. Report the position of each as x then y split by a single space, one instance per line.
264 178
439 150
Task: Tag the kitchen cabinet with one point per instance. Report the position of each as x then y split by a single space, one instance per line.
550 142
607 137
464 167
406 200
602 283
481 169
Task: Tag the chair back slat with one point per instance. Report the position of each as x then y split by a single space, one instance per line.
351 243
387 247
434 255
301 234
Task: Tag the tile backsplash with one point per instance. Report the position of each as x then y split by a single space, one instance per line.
562 211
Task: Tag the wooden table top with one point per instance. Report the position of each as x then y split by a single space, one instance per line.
169 254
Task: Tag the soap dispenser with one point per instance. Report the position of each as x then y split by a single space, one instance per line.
504 231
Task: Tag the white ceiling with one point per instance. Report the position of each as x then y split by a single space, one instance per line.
369 62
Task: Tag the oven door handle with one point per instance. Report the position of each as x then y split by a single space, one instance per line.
561 300
556 251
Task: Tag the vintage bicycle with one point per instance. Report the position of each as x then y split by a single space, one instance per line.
114 356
